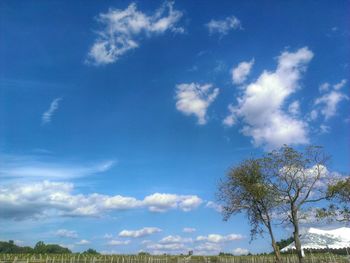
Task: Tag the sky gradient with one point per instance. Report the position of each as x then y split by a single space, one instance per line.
118 118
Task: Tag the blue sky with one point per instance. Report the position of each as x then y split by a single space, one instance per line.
118 118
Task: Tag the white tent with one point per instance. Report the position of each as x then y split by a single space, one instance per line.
318 239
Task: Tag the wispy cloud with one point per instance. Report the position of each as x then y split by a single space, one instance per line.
83 242
188 230
35 167
115 242
241 71
66 233
327 104
224 26
47 115
123 28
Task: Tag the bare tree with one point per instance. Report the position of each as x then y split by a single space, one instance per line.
299 179
244 190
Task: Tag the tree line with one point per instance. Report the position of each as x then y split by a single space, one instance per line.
285 186
40 248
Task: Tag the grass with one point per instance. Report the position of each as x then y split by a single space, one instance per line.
81 258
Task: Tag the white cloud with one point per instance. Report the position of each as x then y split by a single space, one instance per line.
324 87
21 201
146 231
230 119
207 248
215 206
47 115
161 202
216 238
324 129
261 105
189 230
241 72
240 251
161 248
223 27
122 30
294 108
329 103
340 85
66 233
175 239
34 167
108 236
194 99
83 242
115 242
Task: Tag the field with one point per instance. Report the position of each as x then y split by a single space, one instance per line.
79 258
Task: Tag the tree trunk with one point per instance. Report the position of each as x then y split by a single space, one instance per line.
295 222
274 245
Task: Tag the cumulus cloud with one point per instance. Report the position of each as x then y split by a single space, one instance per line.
240 251
160 202
194 99
216 238
261 106
146 231
189 230
66 233
47 115
20 201
223 27
327 104
122 30
241 71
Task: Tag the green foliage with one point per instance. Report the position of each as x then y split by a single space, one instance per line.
244 189
91 251
285 242
40 248
10 247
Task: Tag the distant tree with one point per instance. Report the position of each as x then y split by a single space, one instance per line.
285 242
299 179
42 248
245 190
91 252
